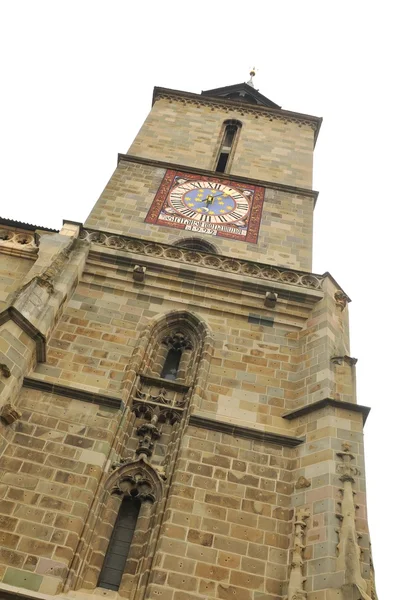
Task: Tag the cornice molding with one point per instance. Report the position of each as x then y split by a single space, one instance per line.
244 108
19 243
159 164
325 402
7 593
244 432
215 262
72 392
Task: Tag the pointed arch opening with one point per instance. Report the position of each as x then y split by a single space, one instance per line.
119 545
124 525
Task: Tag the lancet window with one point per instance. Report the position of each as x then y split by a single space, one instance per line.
228 144
119 545
173 366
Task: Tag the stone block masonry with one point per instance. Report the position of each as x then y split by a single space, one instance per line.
204 394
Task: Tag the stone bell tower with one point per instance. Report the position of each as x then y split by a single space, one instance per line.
178 409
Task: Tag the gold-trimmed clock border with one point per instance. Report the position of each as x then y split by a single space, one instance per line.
254 214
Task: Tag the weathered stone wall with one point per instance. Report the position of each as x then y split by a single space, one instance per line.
285 236
228 523
50 471
264 361
268 148
12 272
249 470
227 530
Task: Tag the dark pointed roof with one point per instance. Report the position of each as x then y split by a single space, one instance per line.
241 92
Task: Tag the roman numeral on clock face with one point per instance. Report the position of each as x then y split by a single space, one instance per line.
189 213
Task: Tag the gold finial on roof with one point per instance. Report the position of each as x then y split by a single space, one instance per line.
252 74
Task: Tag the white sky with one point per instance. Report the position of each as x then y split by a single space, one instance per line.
77 80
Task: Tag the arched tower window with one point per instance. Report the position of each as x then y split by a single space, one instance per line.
124 526
175 347
196 244
228 143
119 544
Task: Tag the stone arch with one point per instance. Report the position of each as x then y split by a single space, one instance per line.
130 478
137 477
196 244
161 325
191 331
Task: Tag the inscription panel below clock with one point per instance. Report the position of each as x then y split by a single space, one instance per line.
208 205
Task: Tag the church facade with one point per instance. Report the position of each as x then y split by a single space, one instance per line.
178 408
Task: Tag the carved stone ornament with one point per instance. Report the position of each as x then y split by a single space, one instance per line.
349 552
341 360
302 482
295 590
139 273
148 434
341 299
9 413
5 371
136 478
177 341
165 414
270 299
47 277
220 263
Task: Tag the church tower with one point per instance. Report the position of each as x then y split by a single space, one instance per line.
178 408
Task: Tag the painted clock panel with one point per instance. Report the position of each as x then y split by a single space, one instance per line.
208 205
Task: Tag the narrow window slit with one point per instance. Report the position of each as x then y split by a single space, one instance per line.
222 163
228 141
119 545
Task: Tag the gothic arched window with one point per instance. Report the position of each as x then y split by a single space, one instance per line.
228 142
171 364
175 347
119 544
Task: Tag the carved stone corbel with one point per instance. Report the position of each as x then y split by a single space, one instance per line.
139 273
341 299
302 483
270 299
5 371
341 360
9 413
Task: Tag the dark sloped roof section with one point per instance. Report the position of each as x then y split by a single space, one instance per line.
25 226
241 92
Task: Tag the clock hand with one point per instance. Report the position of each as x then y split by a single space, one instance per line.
210 198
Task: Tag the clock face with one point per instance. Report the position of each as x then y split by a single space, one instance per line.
209 202
212 206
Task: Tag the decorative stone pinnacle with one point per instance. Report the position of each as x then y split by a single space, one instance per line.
296 581
148 434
